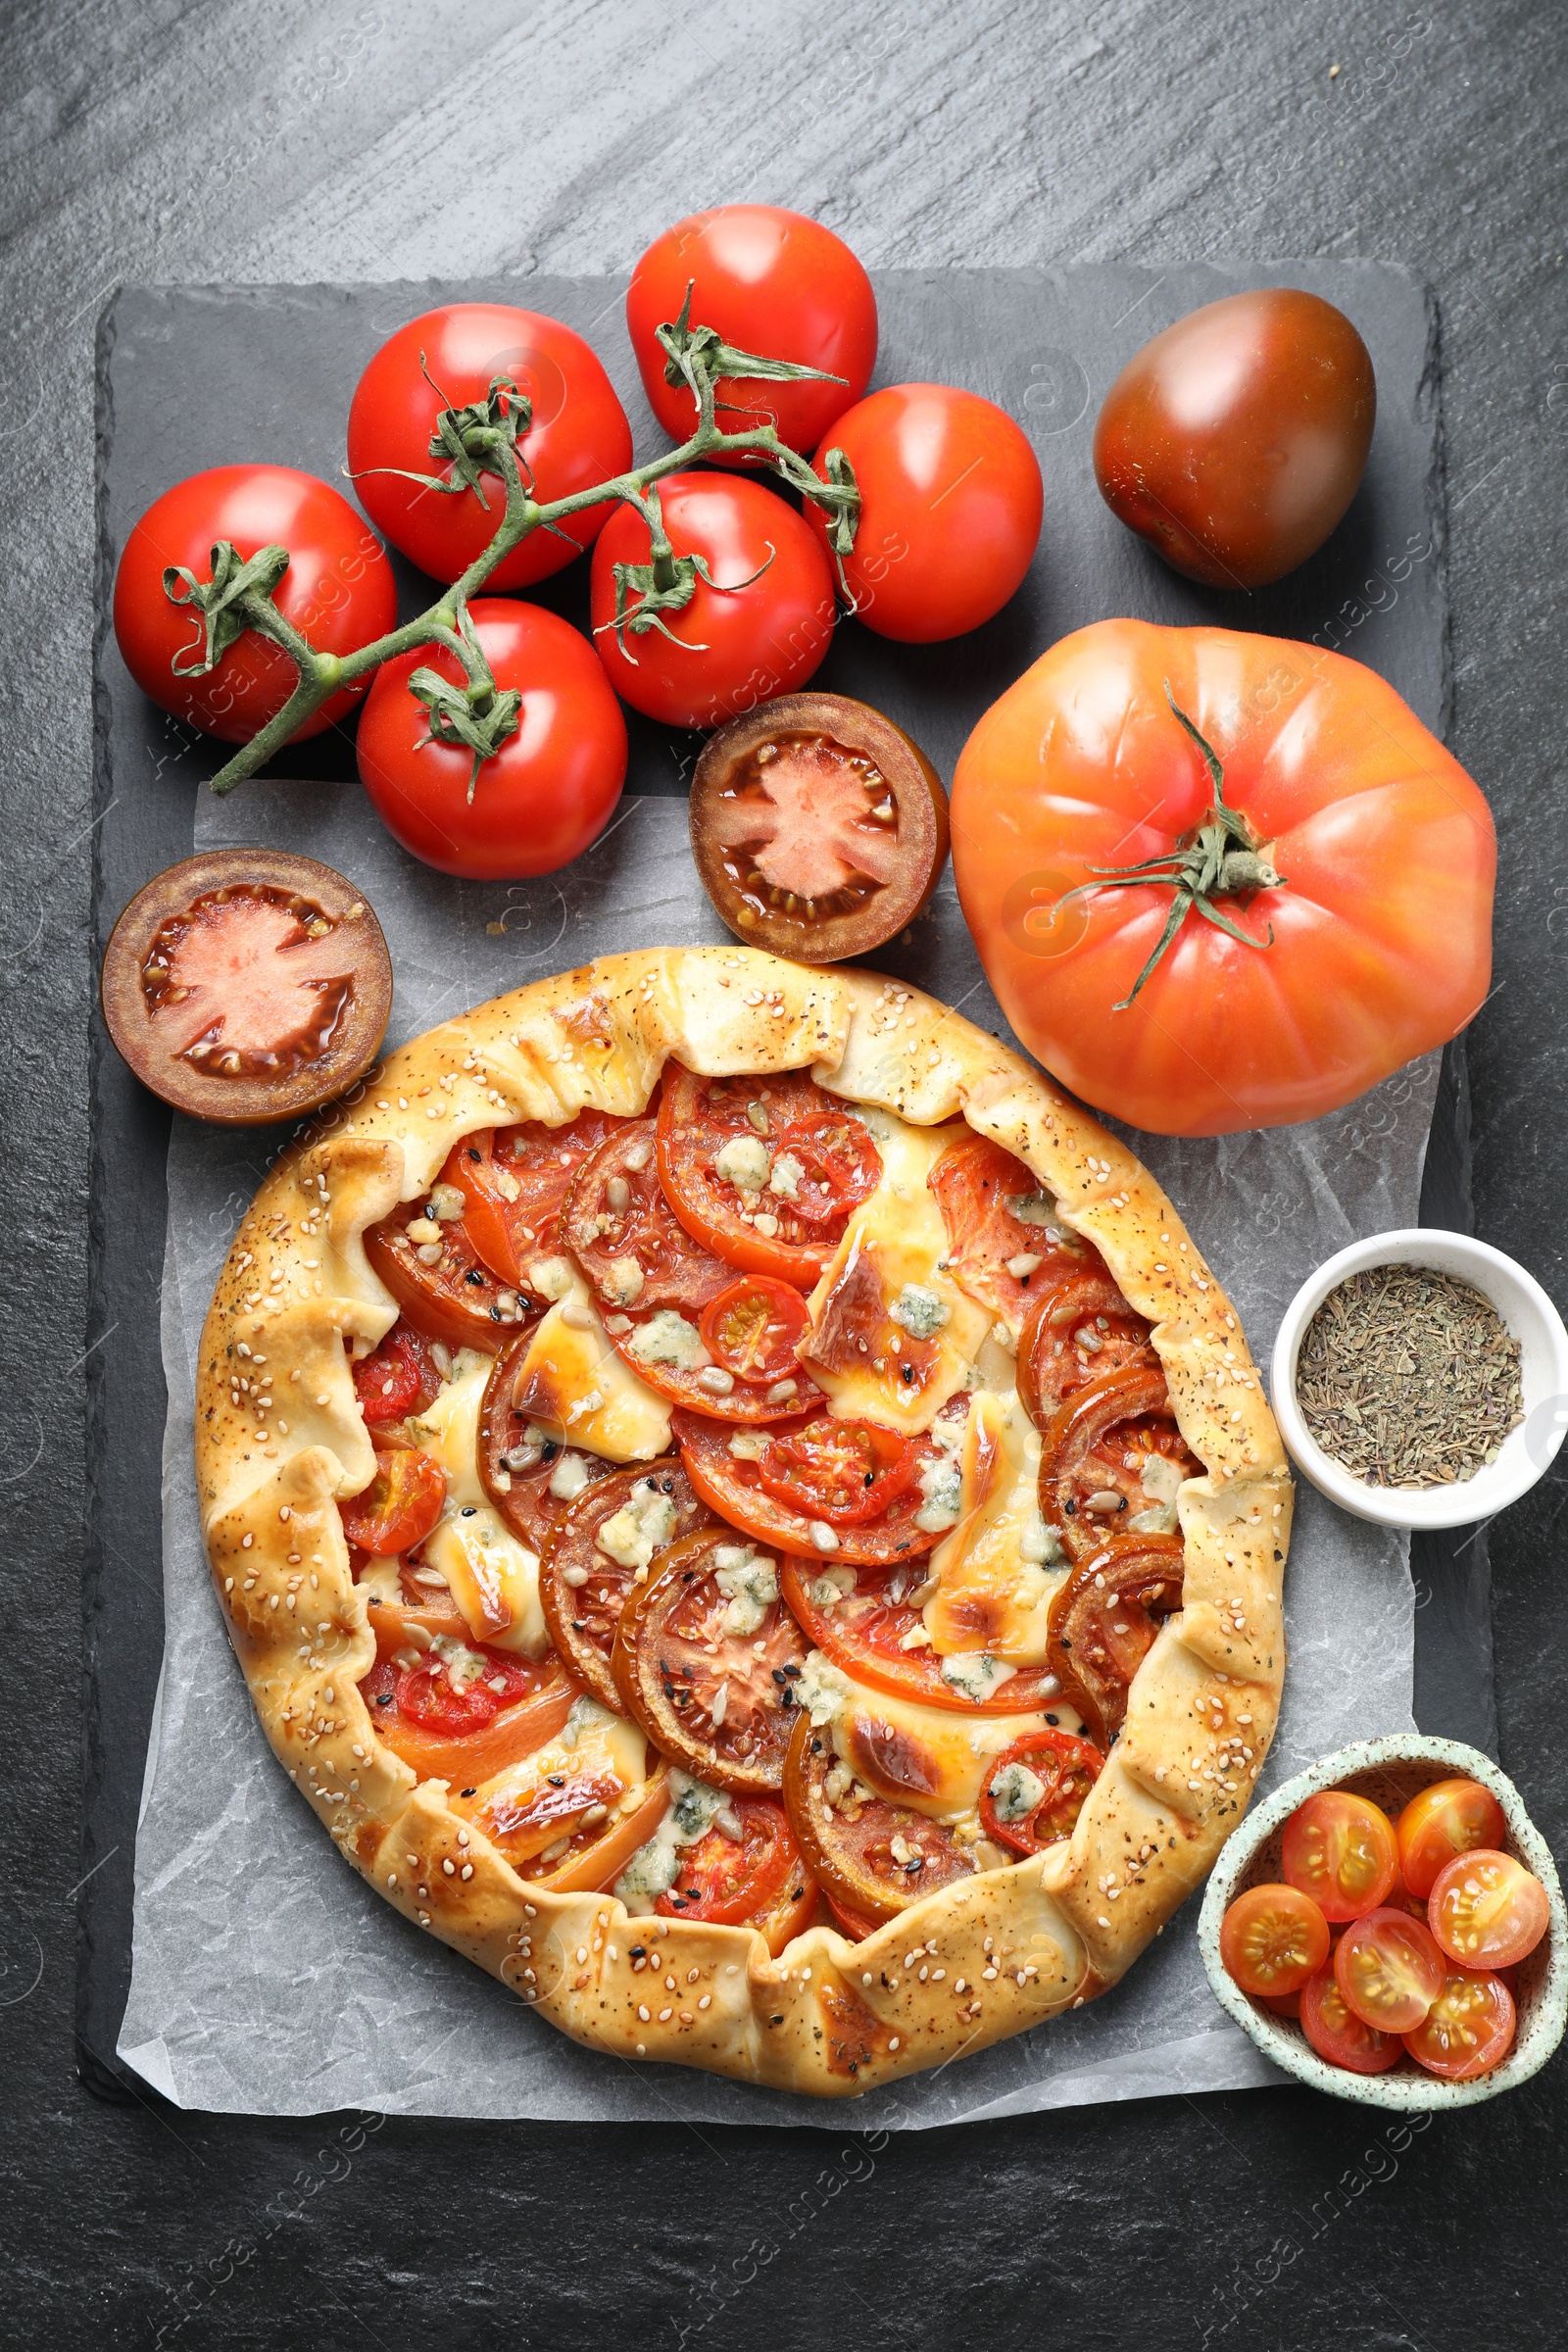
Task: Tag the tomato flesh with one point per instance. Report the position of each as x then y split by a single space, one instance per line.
1103 1621
583 1589
398 1377
1029 1812
1099 1451
751 1330
1389 1970
724 1878
871 1857
247 982
1338 2034
865 1630
1487 1910
731 1486
1341 1850
1272 1940
1080 1332
401 1504
700 1119
842 1471
621 1229
1451 1817
996 1214
1468 2030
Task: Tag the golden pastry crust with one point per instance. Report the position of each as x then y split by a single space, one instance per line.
279 1439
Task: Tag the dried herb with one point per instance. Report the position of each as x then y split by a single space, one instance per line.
1408 1377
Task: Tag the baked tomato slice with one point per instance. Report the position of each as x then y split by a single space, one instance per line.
746 1871
530 1477
399 1377
1338 2034
1075 1334
1469 2027
633 1250
871 1858
765 1172
1037 1788
1007 1244
838 1470
731 1483
1273 1939
1110 1453
401 1504
868 1620
1340 1849
584 1582
705 1658
441 1283
465 1720
669 1355
1451 1817
515 1181
1103 1623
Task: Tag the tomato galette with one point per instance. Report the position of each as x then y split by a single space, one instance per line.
745 1514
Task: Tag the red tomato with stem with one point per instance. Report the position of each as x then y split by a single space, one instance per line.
758 630
774 283
1341 1850
578 435
1449 1818
551 786
338 592
949 515
1381 922
1272 1940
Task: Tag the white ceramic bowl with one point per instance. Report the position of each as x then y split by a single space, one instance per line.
1391 1771
1525 1454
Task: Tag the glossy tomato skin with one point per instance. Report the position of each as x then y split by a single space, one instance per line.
338 592
1382 932
1235 441
551 786
774 283
578 436
764 638
950 519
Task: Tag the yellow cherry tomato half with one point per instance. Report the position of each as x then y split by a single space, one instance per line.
1271 1940
1390 1970
1341 1850
1468 2030
1451 1817
1487 1910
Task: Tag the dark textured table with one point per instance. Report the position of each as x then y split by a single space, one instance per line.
217 142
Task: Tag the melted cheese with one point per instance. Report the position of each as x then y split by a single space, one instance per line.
577 1388
450 1430
928 1758
591 1744
893 1253
994 1584
494 1579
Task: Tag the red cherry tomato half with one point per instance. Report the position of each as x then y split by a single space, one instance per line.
724 1878
1272 1940
430 1699
836 1166
758 630
1037 1789
1451 1817
398 1378
1487 1910
1338 2034
338 592
1341 1850
400 1506
846 1472
752 1328
1389 1970
550 787
774 283
950 515
1468 2030
578 435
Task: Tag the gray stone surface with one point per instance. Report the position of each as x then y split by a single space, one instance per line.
305 142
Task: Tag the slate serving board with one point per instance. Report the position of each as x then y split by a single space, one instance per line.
198 377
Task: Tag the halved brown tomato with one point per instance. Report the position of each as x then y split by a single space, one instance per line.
751 1330
872 1859
762 1230
1080 1332
462 1736
1094 1453
582 1590
845 1472
1103 1623
1061 1769
517 1472
632 1247
401 1504
711 1692
515 1181
454 1298
865 1630
980 1188
399 1377
731 1484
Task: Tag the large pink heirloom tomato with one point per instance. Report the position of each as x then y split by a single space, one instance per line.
1349 848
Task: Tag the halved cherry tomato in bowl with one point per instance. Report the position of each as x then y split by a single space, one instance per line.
745 1210
1389 1969
401 1504
1487 1910
751 1330
583 1587
1448 1818
1038 1788
1340 1849
1469 2027
398 1377
1338 2034
871 1858
841 1471
1272 1940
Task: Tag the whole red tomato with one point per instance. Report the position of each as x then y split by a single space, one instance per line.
338 591
578 436
774 283
548 791
734 650
1383 848
1235 441
949 517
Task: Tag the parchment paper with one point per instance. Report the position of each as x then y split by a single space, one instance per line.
268 1979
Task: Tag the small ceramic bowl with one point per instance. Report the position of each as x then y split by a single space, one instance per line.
1391 1771
1525 1454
